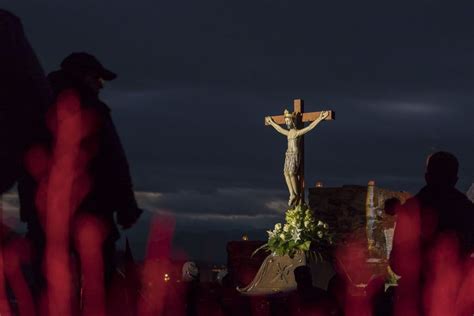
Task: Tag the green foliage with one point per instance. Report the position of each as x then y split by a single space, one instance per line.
301 232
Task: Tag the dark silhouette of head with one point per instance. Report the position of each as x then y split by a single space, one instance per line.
390 206
442 170
303 277
87 69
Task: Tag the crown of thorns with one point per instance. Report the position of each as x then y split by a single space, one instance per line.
288 114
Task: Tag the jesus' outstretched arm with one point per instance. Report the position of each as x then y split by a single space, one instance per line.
322 117
277 127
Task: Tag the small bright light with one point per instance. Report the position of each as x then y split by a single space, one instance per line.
167 277
245 237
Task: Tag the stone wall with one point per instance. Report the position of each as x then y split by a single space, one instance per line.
344 209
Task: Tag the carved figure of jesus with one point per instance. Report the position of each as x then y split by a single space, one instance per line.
293 152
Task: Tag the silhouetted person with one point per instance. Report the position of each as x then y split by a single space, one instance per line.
303 278
309 300
390 206
24 98
436 212
190 279
104 189
380 300
337 288
442 207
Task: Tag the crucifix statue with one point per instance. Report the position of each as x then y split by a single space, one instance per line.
294 157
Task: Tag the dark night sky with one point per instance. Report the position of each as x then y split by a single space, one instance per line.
196 79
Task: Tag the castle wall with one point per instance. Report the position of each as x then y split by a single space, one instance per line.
346 211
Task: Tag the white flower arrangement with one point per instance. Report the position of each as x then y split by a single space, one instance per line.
301 232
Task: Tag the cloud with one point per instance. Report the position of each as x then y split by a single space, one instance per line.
231 203
224 203
195 84
223 219
148 200
203 138
408 108
192 91
10 203
225 207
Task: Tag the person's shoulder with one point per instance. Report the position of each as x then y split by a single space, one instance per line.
100 106
458 197
463 200
409 208
60 82
411 200
7 16
410 203
10 26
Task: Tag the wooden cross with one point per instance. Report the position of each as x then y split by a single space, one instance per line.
301 118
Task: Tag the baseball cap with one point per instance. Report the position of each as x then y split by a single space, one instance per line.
81 63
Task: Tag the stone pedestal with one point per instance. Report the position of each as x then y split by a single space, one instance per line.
276 275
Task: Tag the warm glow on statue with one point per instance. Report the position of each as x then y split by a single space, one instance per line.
293 152
300 239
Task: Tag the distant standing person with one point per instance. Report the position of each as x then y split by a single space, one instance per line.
110 189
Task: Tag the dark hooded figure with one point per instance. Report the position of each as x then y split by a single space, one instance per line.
103 187
24 98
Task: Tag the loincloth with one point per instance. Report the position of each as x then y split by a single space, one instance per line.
292 163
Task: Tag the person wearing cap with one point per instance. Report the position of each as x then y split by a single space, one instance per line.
109 192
